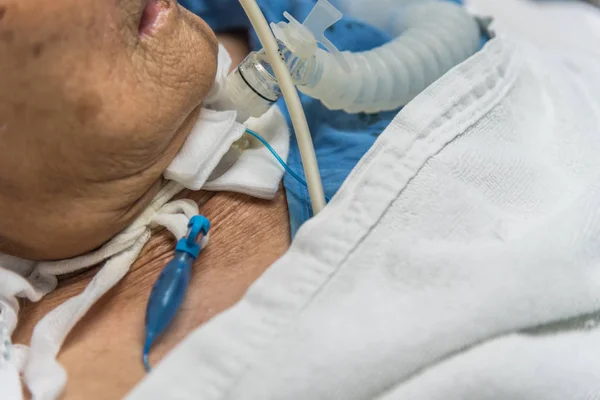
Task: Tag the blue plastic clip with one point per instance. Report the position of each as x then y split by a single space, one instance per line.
169 290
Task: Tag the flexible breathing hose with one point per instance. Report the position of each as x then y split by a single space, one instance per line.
433 37
305 144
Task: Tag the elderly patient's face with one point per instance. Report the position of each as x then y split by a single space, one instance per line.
96 98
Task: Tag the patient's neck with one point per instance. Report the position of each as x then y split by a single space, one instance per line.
247 236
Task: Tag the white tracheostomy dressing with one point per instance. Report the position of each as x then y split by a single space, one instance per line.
253 172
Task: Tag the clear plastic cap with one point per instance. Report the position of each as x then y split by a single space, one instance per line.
302 39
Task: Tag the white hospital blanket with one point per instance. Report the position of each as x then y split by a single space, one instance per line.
461 258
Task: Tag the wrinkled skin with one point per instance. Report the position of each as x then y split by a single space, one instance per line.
95 101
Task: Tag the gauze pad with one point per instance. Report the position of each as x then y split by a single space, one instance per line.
255 172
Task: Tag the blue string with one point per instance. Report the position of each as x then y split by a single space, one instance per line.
279 159
272 150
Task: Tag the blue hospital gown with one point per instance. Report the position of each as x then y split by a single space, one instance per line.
340 139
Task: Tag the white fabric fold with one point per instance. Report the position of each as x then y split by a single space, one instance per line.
555 366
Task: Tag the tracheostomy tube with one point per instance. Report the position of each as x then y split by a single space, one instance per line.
432 37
